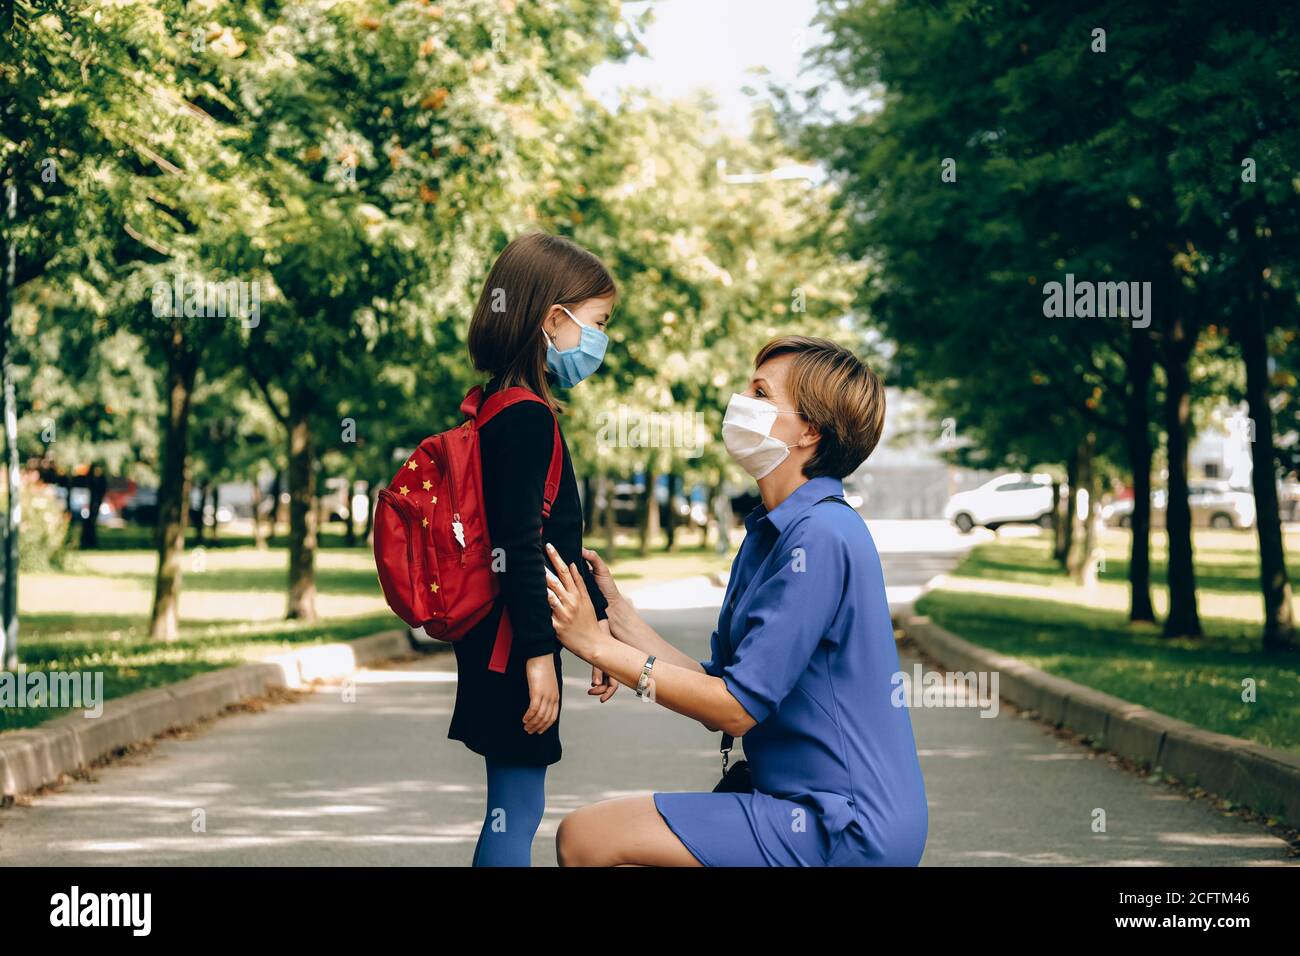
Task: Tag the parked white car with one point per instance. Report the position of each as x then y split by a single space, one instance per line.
1006 499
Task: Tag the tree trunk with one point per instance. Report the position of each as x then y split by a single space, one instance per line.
1067 520
1058 523
201 531
1083 508
173 489
597 488
602 490
372 492
259 530
277 491
302 514
1184 619
90 527
216 506
649 509
1137 438
720 507
670 526
350 530
11 519
1251 325
611 525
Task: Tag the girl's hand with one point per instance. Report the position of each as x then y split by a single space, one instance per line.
543 693
602 683
572 613
604 580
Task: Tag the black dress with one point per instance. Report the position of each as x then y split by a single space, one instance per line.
490 706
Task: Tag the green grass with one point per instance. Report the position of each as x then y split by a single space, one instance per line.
136 538
130 662
92 616
1072 633
1220 568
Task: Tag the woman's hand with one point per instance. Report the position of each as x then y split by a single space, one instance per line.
572 613
604 580
543 693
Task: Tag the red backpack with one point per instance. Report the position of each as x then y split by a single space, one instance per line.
431 538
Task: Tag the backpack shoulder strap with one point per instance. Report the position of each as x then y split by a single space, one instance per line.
482 411
836 498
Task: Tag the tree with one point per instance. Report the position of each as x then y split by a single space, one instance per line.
1100 151
80 115
388 175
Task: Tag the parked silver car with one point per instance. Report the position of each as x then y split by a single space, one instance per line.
1214 504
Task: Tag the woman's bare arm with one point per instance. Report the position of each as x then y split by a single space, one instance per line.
631 628
687 690
626 625
677 681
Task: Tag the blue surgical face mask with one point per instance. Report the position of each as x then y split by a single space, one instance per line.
571 366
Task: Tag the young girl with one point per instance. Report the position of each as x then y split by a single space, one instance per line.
539 322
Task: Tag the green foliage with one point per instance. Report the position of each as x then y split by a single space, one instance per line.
709 270
360 164
45 528
1116 165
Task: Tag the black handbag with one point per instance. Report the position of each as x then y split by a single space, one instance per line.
736 778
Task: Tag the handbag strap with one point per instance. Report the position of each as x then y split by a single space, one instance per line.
728 739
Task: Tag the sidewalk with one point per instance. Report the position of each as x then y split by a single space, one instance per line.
376 782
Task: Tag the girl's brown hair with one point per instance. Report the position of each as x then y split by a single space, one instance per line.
533 273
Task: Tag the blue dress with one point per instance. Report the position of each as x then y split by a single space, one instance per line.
809 645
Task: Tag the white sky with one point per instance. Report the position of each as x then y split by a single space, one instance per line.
712 44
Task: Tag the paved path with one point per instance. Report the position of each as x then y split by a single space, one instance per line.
376 782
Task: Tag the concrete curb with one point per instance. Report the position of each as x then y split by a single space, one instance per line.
1263 778
31 759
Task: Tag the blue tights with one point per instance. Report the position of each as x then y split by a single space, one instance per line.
516 798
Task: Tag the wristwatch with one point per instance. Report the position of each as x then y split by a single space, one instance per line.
644 680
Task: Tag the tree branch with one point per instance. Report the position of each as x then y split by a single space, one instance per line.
265 388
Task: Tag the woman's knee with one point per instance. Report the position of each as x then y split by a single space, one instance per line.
573 840
625 831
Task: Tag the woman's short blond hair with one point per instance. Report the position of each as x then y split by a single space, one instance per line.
832 388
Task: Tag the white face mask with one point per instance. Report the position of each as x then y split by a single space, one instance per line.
747 434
